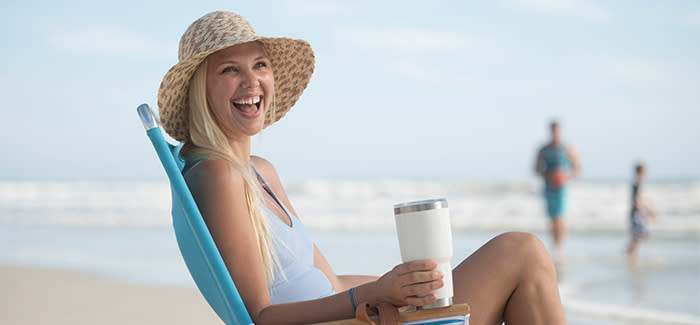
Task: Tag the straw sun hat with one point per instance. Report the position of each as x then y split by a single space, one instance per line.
292 65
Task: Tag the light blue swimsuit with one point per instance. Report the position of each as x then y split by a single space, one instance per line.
295 250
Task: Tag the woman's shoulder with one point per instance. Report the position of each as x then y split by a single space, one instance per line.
211 166
263 165
265 168
213 173
260 162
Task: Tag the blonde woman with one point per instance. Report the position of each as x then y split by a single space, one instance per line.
228 85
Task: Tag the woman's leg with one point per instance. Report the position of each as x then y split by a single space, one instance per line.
510 278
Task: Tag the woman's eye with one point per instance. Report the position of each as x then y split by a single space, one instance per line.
229 69
261 65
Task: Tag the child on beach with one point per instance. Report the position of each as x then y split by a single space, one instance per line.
230 84
640 212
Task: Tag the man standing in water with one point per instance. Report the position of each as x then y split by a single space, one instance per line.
557 164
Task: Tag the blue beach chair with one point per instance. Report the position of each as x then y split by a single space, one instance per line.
203 260
196 244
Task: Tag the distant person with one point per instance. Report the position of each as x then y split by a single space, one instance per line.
557 164
640 212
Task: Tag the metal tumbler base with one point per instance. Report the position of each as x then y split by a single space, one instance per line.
439 303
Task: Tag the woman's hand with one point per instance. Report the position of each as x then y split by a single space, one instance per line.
406 284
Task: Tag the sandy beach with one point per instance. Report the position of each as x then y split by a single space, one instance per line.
43 296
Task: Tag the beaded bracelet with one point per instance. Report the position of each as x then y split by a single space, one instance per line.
351 294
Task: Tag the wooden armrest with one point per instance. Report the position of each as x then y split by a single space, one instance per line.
454 310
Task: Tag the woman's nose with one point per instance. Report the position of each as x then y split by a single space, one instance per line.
250 79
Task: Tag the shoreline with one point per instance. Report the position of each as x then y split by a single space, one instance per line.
49 275
33 295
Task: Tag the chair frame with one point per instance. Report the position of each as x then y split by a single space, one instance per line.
196 244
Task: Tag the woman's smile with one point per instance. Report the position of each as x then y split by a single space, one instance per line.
249 106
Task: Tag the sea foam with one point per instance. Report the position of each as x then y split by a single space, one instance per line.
353 204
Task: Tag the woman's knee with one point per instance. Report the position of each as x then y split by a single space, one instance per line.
520 238
524 245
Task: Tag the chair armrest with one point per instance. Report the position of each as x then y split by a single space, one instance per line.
423 314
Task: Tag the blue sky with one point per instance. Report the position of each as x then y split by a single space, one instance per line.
427 89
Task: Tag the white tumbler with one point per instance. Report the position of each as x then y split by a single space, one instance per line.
424 232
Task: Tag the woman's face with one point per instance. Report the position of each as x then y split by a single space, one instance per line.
240 88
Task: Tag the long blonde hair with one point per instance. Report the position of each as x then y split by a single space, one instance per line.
208 141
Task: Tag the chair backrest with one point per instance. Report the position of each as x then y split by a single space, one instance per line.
197 247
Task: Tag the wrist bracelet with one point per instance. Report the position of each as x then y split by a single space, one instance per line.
351 294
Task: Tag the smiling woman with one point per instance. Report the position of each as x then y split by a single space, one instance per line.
229 85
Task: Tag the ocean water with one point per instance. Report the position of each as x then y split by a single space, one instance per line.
122 231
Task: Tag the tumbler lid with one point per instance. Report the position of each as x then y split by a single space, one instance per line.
416 206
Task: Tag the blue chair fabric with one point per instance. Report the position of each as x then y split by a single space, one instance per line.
196 245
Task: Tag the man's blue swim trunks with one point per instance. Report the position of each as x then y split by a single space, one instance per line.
554 158
556 201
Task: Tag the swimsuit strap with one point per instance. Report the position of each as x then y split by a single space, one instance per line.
269 190
188 168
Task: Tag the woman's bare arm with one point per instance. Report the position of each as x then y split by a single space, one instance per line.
218 190
398 286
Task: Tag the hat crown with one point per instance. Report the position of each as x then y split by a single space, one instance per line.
215 30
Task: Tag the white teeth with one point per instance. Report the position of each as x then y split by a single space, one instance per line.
250 101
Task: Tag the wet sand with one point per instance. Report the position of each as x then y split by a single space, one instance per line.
43 296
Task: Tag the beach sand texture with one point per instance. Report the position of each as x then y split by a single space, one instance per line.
43 296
